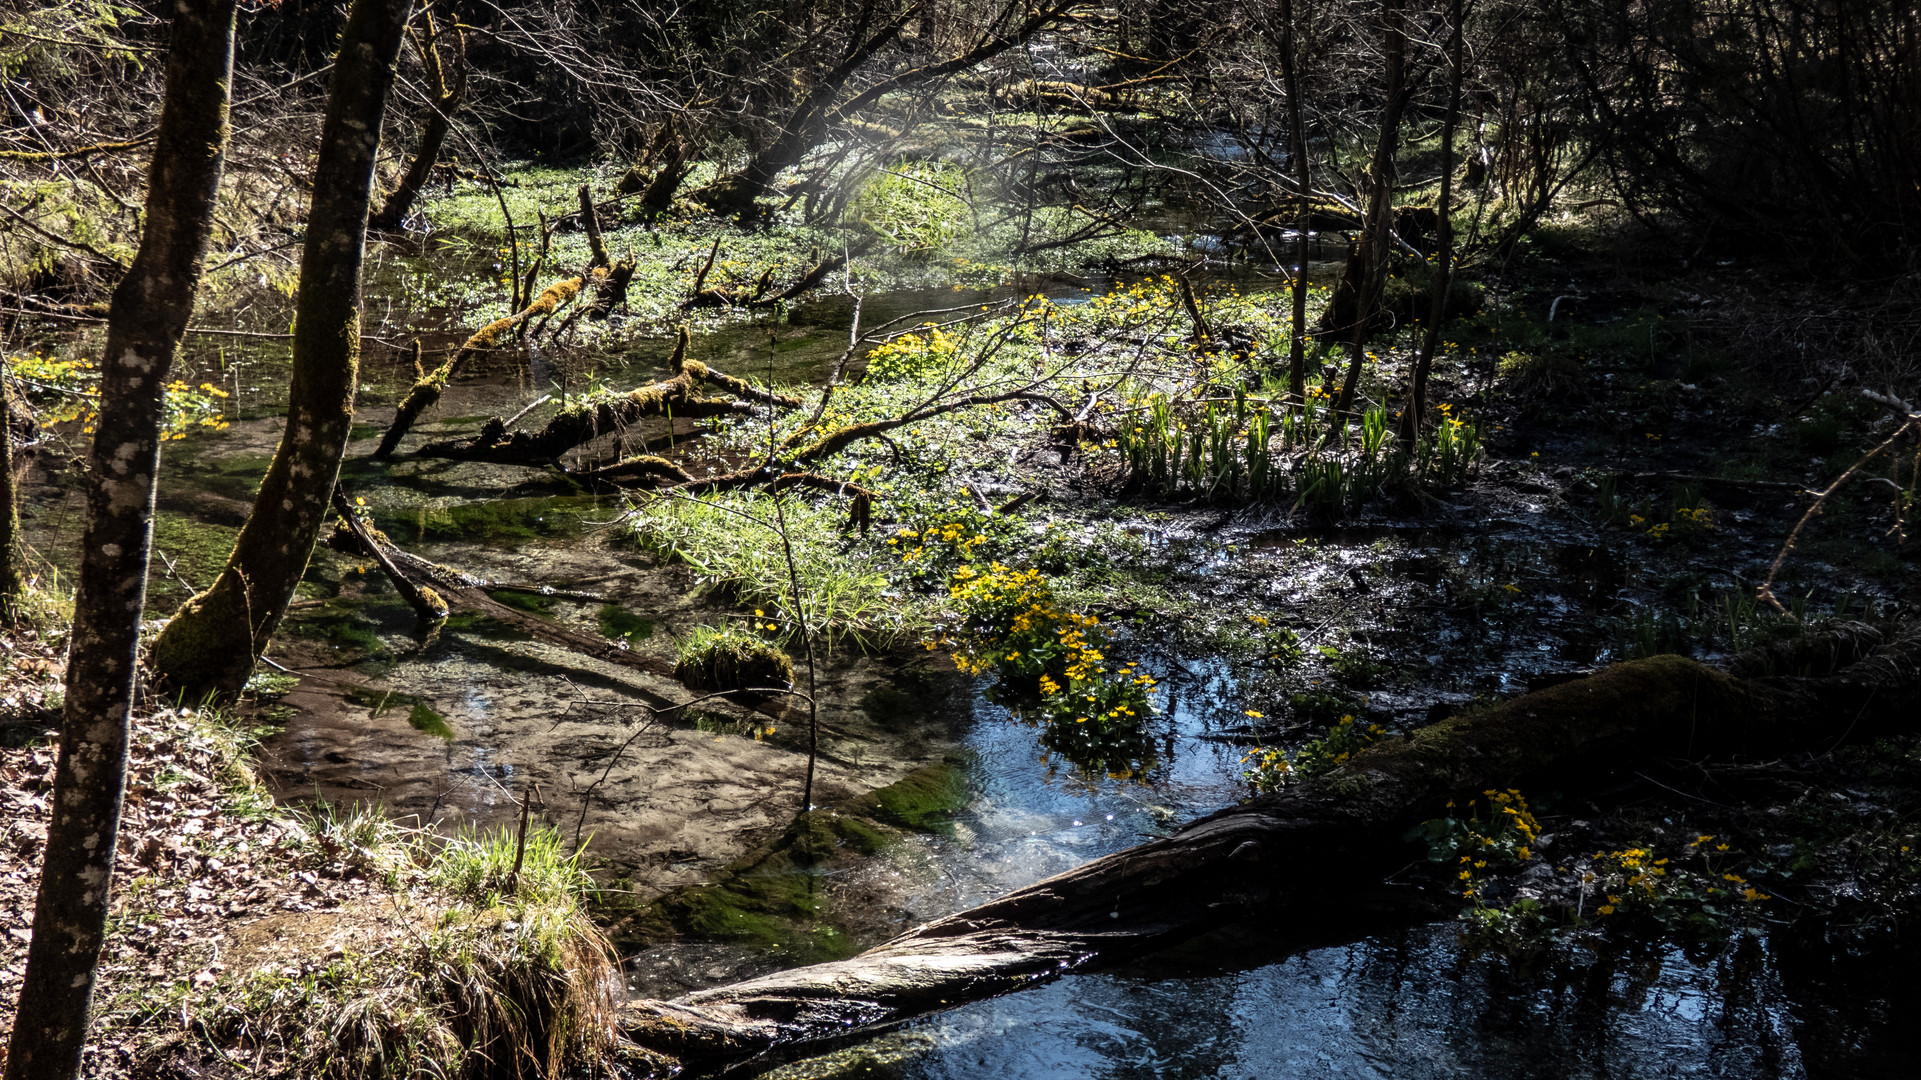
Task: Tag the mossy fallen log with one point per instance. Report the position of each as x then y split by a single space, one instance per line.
1292 854
429 385
580 424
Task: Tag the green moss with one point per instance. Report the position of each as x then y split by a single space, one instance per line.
1349 784
420 715
924 798
620 625
528 602
467 622
425 719
502 522
198 552
354 635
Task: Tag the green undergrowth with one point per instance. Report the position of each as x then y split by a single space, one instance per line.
732 658
470 956
729 541
923 799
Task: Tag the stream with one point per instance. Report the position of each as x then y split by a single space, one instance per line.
1472 604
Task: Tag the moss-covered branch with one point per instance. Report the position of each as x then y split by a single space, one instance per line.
580 424
426 392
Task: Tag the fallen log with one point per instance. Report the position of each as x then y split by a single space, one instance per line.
581 424
428 386
422 598
1287 853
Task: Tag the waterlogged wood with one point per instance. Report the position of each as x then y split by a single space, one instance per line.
1290 854
145 323
677 397
213 640
427 390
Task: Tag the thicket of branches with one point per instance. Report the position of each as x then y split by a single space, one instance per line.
1784 125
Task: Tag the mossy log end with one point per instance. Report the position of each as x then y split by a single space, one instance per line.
426 392
580 424
1348 825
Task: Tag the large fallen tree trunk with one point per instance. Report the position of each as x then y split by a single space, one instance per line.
1294 854
581 424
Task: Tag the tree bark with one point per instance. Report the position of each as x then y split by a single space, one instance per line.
212 641
1414 412
1297 146
1347 825
1377 230
147 318
12 569
447 95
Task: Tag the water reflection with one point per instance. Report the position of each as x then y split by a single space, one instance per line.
1409 1006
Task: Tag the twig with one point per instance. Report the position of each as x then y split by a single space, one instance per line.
1766 591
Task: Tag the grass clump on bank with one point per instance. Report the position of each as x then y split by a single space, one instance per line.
483 963
246 937
730 658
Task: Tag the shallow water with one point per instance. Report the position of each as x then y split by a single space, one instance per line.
1488 606
1408 1006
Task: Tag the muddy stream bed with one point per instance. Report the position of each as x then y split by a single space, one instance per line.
455 727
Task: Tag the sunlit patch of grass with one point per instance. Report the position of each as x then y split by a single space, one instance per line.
731 658
843 591
493 967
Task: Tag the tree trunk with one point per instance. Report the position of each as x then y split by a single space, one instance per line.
12 570
1297 145
446 98
146 320
1378 228
1414 412
1347 826
807 122
214 638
